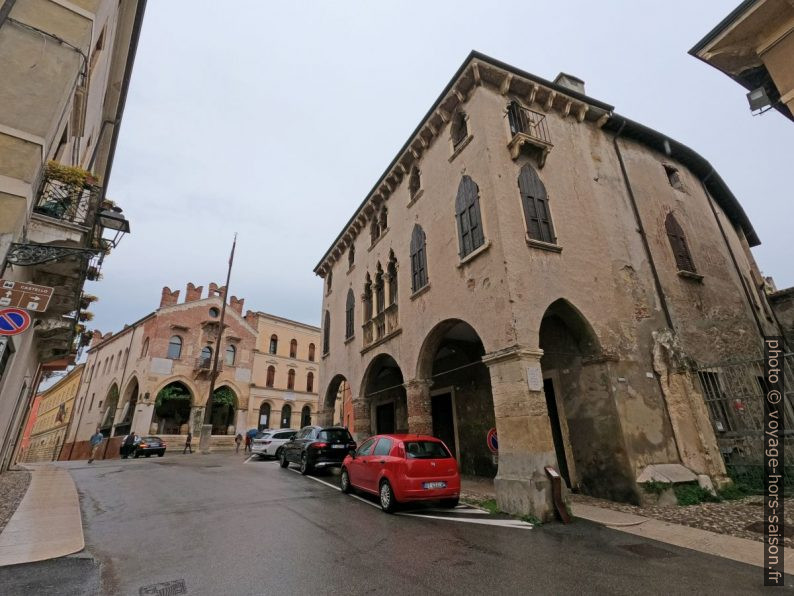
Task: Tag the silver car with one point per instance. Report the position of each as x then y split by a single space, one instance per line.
268 442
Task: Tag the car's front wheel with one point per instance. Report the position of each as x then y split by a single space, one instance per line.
137 455
305 465
450 503
161 454
344 482
387 501
283 459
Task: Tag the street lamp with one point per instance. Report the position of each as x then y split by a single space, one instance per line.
112 219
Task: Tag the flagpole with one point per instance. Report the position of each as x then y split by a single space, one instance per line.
206 430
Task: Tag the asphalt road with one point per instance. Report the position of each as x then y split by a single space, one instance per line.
218 525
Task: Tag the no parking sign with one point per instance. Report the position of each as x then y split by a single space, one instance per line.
493 441
13 321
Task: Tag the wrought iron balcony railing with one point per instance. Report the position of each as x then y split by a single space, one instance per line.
528 127
204 363
66 201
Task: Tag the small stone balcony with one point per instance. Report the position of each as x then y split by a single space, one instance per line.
528 131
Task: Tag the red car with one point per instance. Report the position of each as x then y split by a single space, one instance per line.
401 469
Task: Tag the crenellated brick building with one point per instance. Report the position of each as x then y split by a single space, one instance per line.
153 376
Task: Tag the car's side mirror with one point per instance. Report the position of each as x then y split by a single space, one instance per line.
352 453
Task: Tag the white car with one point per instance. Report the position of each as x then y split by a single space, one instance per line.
268 442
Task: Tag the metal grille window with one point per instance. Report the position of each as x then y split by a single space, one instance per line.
418 259
683 258
327 333
467 211
536 205
459 129
349 311
391 275
367 299
380 296
414 182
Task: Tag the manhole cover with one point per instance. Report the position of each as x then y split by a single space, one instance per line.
759 527
171 588
648 551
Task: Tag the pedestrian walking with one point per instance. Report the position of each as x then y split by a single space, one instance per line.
95 441
237 440
247 442
188 439
128 447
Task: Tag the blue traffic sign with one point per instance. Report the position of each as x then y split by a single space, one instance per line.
13 321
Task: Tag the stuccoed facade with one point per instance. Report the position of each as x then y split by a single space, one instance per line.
572 332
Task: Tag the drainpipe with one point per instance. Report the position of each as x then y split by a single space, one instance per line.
641 230
5 10
736 266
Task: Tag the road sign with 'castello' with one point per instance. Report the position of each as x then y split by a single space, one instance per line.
21 294
13 321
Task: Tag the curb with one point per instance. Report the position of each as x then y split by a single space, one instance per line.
47 524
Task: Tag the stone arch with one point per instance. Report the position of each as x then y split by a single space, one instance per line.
172 408
111 403
332 406
383 401
223 415
129 400
266 410
456 403
585 424
306 415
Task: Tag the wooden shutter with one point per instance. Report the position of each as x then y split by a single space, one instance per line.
683 258
536 205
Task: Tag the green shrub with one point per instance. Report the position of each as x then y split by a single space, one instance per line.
693 494
733 491
655 487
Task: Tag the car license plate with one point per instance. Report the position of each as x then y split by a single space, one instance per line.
337 446
432 485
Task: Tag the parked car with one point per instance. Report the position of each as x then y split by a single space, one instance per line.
149 446
268 443
402 469
317 447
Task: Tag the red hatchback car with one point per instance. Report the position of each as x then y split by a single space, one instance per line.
401 469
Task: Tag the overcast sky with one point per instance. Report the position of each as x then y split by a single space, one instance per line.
274 119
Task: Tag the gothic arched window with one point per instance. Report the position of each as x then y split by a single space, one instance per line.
467 211
418 259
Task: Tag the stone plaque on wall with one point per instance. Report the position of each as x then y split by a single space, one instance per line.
242 374
535 378
161 366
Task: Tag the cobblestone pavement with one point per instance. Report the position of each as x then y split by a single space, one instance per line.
13 486
729 517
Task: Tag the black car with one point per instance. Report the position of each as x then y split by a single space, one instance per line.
317 447
149 446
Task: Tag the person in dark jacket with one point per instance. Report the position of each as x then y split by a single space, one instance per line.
237 440
128 447
187 443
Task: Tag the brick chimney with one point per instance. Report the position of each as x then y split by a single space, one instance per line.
250 318
236 304
193 293
168 297
95 338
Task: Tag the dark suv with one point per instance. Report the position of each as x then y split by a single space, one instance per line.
317 447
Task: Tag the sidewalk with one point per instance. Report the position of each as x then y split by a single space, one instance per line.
47 523
704 541
721 545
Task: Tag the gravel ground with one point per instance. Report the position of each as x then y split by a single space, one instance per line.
729 517
13 486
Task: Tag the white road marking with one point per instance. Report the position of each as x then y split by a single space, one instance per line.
249 459
504 523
